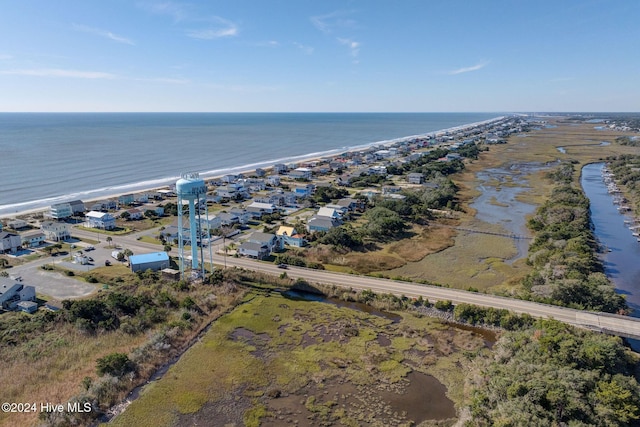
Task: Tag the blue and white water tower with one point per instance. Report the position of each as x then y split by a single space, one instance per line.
192 190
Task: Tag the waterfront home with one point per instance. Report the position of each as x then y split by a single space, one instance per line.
301 173
229 178
32 239
280 168
60 211
415 178
101 220
104 205
126 199
154 261
77 207
260 172
141 198
11 293
55 231
17 224
289 236
9 242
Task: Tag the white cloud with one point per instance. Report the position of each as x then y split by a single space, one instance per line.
306 49
222 28
469 69
353 46
177 11
103 33
54 72
338 19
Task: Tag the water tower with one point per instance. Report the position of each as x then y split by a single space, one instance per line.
192 190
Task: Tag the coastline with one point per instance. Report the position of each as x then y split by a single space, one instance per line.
40 206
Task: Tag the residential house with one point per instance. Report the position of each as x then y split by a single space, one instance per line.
269 240
141 198
301 173
273 180
229 178
102 220
55 231
126 199
77 207
257 209
305 190
349 203
32 239
244 215
104 205
60 211
135 214
329 213
378 170
321 223
9 242
228 218
280 168
415 178
212 223
260 172
289 236
253 250
17 224
11 293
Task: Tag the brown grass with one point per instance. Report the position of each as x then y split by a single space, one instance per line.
429 240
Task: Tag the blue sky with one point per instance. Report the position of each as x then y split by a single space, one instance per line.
320 55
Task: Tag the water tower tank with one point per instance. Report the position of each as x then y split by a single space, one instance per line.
190 186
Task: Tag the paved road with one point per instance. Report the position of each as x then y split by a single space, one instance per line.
618 325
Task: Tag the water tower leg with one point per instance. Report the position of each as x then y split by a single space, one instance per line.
193 228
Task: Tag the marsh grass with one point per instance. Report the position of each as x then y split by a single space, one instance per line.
297 348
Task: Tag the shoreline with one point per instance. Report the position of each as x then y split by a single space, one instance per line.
42 205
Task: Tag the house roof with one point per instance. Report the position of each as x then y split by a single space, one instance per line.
150 257
251 246
324 222
98 215
260 205
261 237
285 230
329 212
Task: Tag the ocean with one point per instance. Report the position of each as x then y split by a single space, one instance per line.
47 158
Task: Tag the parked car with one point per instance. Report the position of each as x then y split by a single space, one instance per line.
285 266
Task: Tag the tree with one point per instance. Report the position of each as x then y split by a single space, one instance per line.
125 215
116 364
109 240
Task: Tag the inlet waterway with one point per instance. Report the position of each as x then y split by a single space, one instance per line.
622 255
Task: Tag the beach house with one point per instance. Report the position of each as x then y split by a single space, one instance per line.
290 236
9 242
11 293
32 239
101 220
60 211
55 231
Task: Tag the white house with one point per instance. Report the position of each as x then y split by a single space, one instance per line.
261 208
415 178
329 213
60 211
102 220
55 231
301 173
135 214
